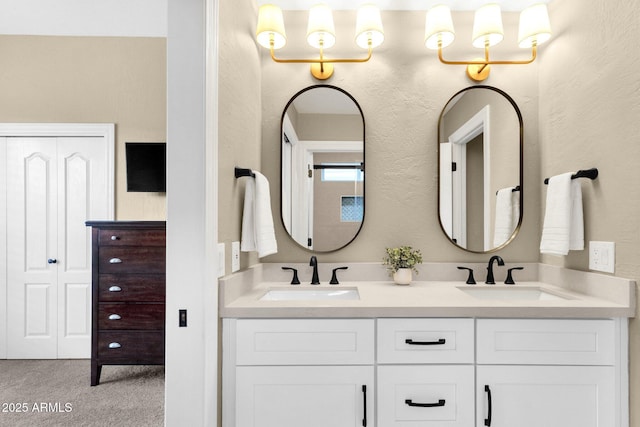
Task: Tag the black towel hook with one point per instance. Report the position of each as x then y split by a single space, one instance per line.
240 172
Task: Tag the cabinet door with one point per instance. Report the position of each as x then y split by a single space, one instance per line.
309 396
549 396
425 396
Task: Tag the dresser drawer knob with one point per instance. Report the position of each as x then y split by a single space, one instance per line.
114 345
115 261
115 289
115 238
114 317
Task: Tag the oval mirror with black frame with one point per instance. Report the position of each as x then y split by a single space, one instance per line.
480 142
322 166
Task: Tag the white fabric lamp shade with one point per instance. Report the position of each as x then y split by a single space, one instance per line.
438 26
487 25
369 27
534 26
321 31
270 26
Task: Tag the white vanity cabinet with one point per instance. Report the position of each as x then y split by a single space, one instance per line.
425 372
552 373
299 372
401 372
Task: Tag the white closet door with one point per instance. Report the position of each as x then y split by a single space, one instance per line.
31 243
54 186
82 195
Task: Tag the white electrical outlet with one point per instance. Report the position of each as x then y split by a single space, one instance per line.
221 259
235 256
602 256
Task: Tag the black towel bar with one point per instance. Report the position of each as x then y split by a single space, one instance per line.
240 172
514 189
587 173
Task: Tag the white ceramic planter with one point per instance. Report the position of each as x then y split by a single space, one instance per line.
403 276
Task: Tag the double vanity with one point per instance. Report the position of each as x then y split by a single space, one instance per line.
550 350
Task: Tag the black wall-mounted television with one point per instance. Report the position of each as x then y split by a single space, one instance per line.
146 166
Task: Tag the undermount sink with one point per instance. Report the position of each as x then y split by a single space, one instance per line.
513 294
310 294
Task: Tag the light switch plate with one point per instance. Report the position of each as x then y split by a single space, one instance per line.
221 259
235 256
602 256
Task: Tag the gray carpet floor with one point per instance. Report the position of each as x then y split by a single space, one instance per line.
57 393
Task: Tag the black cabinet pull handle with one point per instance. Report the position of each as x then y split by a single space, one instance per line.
487 421
364 398
441 341
440 402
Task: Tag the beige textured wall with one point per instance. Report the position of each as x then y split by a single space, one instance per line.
589 116
239 117
91 80
401 91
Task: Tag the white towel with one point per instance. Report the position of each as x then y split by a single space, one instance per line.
506 216
563 228
258 233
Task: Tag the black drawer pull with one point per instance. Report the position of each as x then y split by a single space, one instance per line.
115 289
440 402
441 341
114 345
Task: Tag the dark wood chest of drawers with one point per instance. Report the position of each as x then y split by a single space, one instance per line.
128 300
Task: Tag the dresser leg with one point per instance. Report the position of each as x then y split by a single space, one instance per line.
95 373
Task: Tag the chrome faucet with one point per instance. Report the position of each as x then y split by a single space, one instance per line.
490 280
314 263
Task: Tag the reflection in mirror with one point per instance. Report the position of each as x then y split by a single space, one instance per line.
480 169
322 159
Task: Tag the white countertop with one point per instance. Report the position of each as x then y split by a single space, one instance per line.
587 296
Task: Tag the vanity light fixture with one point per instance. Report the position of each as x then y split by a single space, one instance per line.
270 34
534 29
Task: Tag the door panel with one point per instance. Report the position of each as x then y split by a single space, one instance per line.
31 241
550 396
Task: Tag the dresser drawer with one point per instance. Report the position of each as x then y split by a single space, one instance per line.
131 287
131 316
305 341
115 237
546 341
426 396
425 340
131 347
132 260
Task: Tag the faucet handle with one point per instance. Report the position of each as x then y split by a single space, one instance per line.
334 276
509 280
470 280
294 280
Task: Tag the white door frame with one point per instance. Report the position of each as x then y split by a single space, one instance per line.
476 125
105 130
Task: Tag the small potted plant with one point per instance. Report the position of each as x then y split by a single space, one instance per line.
401 262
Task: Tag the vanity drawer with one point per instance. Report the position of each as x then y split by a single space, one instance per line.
131 287
546 341
304 341
425 340
132 260
131 316
426 396
142 237
131 347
